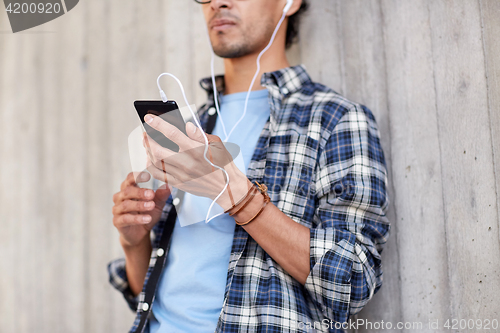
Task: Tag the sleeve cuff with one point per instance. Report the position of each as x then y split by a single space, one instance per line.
118 279
329 281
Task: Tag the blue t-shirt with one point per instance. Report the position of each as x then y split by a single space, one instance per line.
191 287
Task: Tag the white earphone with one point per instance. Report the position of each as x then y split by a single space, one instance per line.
288 5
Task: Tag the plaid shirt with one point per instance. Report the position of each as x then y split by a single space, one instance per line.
321 158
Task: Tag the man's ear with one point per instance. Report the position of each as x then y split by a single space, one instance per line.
295 7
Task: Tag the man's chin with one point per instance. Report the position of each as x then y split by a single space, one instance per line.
229 53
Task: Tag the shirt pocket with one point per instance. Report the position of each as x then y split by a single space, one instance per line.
292 175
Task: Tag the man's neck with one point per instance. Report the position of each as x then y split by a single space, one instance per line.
239 72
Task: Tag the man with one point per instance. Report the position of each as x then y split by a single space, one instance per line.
303 262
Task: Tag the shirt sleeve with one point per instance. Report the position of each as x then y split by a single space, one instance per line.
118 279
351 223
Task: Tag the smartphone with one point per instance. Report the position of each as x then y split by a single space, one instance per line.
168 111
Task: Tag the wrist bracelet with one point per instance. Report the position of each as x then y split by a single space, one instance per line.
251 194
239 201
266 200
230 195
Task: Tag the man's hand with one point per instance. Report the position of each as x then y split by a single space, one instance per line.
137 210
187 169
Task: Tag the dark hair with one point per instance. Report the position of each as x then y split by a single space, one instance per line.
292 30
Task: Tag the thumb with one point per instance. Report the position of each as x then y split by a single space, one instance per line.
160 199
162 194
194 132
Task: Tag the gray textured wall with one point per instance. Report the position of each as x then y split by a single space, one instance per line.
429 70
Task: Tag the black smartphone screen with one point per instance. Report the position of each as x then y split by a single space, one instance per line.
169 112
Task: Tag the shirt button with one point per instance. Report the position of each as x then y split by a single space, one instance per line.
338 189
176 201
145 306
211 111
160 252
285 91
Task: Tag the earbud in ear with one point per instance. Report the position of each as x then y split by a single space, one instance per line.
288 5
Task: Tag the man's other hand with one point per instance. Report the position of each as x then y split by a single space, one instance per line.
137 210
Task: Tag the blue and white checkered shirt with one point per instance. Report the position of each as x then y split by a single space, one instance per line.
321 158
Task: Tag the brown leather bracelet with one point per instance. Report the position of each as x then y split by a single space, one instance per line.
230 195
239 201
266 200
250 195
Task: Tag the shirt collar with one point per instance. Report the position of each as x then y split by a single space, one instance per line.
288 80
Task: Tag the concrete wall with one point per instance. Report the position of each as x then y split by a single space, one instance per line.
429 70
